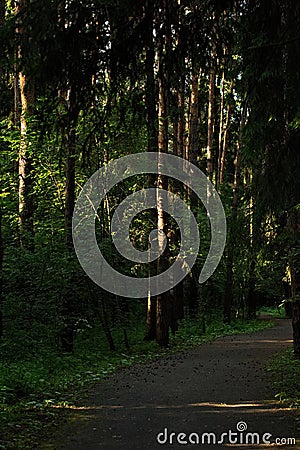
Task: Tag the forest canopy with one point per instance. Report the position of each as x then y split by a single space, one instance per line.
85 83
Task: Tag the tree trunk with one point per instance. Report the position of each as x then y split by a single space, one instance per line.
181 121
68 304
1 278
211 115
251 299
70 184
228 300
2 19
296 327
177 309
163 300
152 146
294 263
177 303
193 155
26 208
224 143
253 231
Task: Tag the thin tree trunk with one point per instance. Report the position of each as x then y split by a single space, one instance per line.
224 146
1 278
181 121
152 146
251 299
221 125
102 314
211 115
294 264
253 229
2 19
69 306
193 155
228 300
177 310
70 183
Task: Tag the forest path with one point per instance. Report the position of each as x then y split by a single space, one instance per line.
208 389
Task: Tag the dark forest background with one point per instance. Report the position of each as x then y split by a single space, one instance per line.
84 83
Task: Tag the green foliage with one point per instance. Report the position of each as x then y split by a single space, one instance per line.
271 311
285 374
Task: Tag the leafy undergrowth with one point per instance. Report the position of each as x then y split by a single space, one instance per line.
273 311
38 388
285 375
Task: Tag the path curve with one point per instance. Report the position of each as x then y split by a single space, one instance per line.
209 389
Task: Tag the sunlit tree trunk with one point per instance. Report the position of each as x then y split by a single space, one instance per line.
152 144
163 300
26 208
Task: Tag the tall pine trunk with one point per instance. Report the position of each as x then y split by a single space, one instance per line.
25 191
152 144
177 311
164 41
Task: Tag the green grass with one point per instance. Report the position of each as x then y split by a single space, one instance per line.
36 387
285 374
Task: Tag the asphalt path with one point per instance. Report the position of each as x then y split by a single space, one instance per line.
214 396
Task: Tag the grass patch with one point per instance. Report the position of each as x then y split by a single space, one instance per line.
284 372
36 388
272 311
